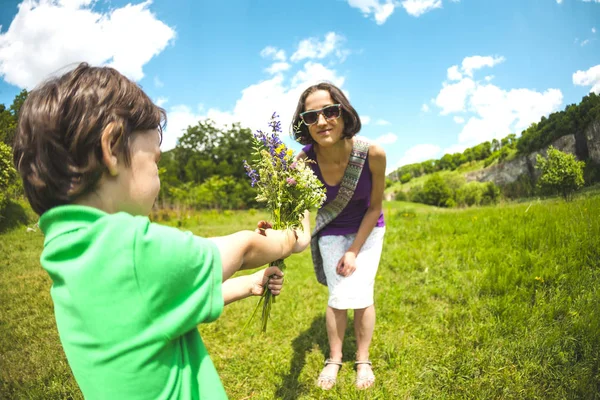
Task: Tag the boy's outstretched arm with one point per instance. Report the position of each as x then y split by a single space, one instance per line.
247 249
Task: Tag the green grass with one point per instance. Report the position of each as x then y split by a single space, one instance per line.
483 303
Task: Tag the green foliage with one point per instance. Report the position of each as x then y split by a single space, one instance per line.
561 173
208 159
573 120
406 177
491 194
436 191
477 193
8 118
401 196
591 172
470 194
8 176
523 186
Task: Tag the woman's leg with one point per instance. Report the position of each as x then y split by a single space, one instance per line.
336 321
364 325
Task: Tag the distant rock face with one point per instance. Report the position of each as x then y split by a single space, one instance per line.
507 172
592 137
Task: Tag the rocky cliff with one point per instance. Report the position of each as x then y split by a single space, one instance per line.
584 146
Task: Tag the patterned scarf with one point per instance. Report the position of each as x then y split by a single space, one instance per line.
329 212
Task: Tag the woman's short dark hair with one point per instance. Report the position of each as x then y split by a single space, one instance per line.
57 148
352 123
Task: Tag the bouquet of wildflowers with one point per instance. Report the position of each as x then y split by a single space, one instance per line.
287 186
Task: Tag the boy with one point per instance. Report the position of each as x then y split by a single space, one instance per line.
128 294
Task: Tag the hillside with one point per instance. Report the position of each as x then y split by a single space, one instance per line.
576 130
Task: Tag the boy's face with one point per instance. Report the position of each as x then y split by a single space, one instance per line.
138 184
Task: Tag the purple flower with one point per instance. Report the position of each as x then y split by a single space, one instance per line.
293 165
252 174
291 181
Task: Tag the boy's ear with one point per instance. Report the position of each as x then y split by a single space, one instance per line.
109 140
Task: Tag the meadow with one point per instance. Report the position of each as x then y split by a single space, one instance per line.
495 302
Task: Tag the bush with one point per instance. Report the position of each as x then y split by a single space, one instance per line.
8 176
436 191
406 178
491 194
470 194
561 173
523 186
416 194
400 196
591 173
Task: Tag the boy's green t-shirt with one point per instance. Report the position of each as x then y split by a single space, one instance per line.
128 296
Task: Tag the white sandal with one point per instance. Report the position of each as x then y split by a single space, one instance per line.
324 378
364 377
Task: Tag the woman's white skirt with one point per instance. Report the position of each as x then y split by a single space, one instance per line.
355 291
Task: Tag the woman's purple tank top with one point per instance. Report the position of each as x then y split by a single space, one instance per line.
348 221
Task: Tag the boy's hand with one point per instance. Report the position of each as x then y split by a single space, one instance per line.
272 275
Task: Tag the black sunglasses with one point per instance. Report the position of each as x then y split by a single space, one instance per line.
329 112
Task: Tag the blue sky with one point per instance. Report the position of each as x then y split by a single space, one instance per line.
426 76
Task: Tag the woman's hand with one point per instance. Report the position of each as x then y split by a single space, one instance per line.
347 264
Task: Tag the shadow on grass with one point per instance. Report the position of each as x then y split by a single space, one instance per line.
13 215
291 387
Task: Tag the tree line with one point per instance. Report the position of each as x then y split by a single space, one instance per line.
574 119
205 169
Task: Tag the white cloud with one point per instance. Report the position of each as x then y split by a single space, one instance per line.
258 101
365 119
591 77
178 119
47 35
473 63
274 53
425 108
489 78
388 138
559 1
382 122
158 83
499 112
586 41
453 96
495 112
415 154
278 67
454 74
593 30
383 9
420 7
161 101
313 48
380 10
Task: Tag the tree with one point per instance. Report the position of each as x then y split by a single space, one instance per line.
406 177
9 117
8 175
436 191
561 173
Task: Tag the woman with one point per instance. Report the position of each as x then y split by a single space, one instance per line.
350 245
